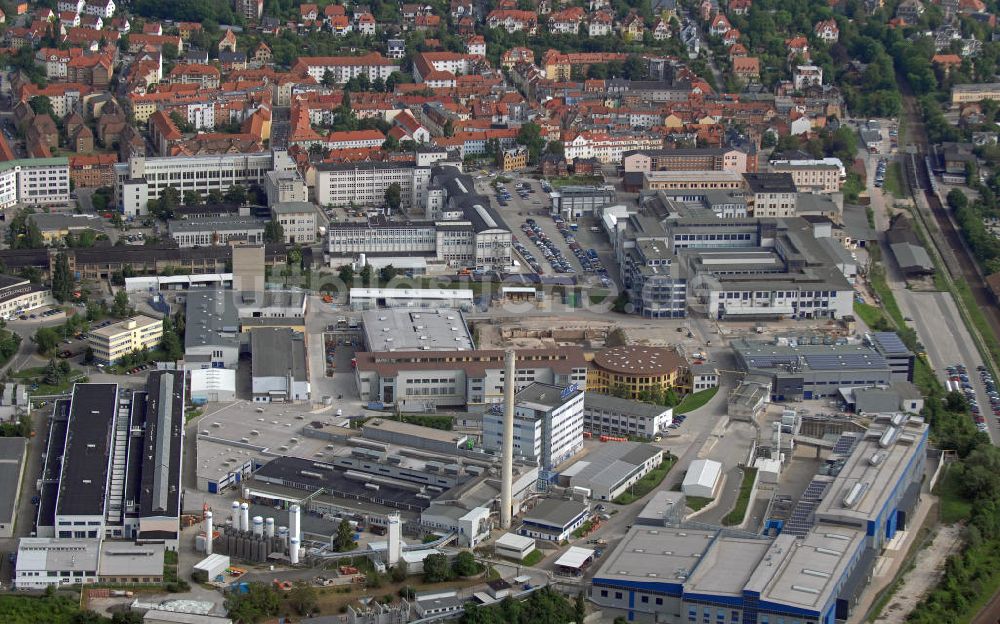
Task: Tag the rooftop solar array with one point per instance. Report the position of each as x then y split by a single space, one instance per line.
803 516
844 445
890 342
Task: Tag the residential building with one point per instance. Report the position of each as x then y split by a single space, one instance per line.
113 341
604 414
807 76
297 220
34 181
343 68
514 159
812 176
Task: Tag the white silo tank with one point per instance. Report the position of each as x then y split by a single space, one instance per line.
293 550
258 526
209 529
244 517
235 519
269 527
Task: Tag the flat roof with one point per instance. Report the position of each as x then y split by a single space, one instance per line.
129 559
86 458
11 464
211 318
656 555
542 397
411 293
406 329
514 541
726 566
109 331
555 511
416 431
162 444
48 553
618 405
278 352
610 464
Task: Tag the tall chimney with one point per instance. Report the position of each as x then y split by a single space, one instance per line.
507 467
294 522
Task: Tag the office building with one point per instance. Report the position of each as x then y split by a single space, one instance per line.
604 414
278 366
285 186
418 379
205 231
812 176
142 179
400 329
19 296
113 341
297 219
44 562
34 181
686 159
610 470
691 180
548 425
637 371
771 194
365 184
800 370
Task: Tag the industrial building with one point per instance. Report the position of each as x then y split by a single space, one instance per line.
807 369
112 342
554 519
611 415
548 425
278 366
608 471
414 436
702 478
227 230
12 457
417 380
513 546
814 570
365 184
213 385
372 298
573 202
405 329
212 329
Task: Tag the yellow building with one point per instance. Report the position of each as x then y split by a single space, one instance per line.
112 342
633 370
515 159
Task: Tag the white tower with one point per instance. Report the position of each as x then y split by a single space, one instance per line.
294 525
394 545
235 520
244 517
209 529
507 465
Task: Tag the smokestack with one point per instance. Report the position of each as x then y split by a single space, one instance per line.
293 550
507 467
209 529
244 517
235 520
269 527
294 526
258 526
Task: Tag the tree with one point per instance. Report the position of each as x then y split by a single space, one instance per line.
555 147
465 564
302 598
391 144
393 196
170 344
121 307
436 568
214 197
346 274
449 128
164 207
42 105
62 279
530 135
259 602
344 541
387 273
957 199
192 198
580 608
399 572
329 79
46 339
88 355
236 194
273 232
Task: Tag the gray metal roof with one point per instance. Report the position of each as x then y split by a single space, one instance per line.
276 352
607 402
211 318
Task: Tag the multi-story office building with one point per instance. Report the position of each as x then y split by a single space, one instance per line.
34 181
365 184
113 341
548 424
18 295
204 231
297 220
691 180
771 194
285 186
418 379
610 415
692 159
812 176
142 179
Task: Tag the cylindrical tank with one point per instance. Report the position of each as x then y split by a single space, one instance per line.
208 532
246 492
244 517
235 520
258 526
294 522
283 536
293 551
269 527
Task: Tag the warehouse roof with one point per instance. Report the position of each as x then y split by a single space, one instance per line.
88 450
11 465
277 352
211 318
406 329
704 472
555 511
611 463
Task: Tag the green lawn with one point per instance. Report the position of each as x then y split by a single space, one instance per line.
696 503
28 610
576 181
978 320
693 401
894 181
36 375
648 483
739 512
953 507
868 313
533 558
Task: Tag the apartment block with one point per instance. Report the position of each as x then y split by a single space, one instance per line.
343 68
34 181
112 342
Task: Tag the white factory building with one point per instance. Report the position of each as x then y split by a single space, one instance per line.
548 424
610 470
